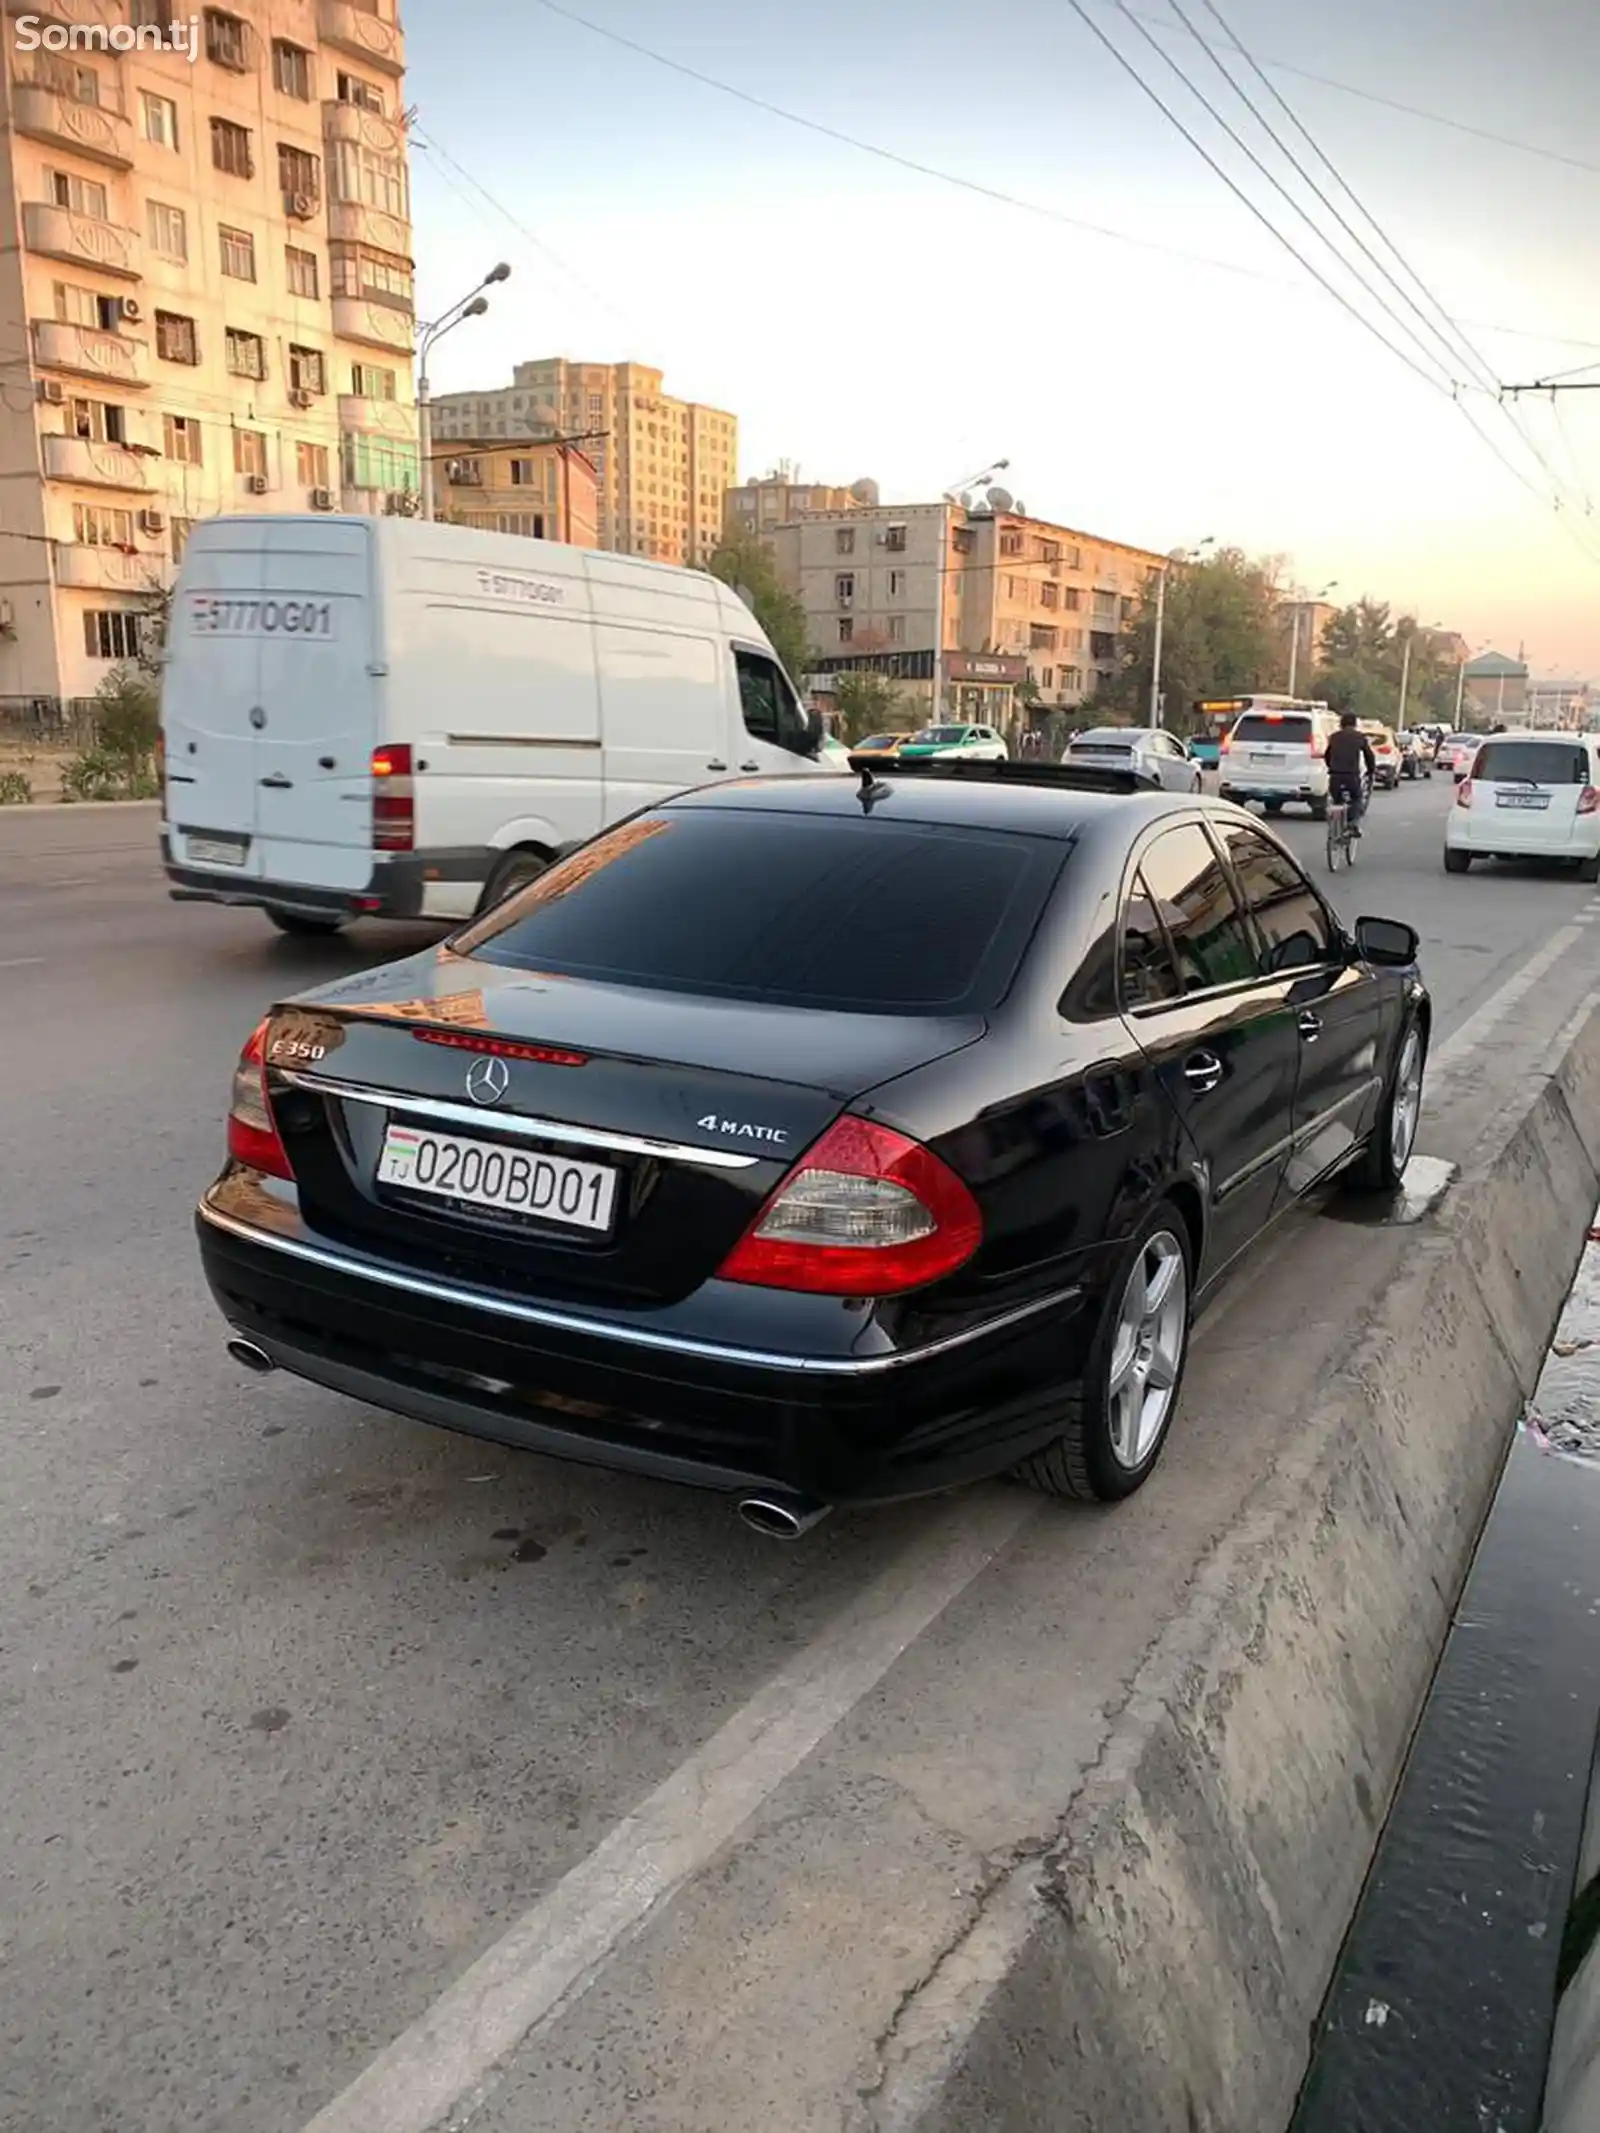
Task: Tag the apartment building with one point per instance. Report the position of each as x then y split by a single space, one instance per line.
205 299
1001 599
543 488
664 465
756 508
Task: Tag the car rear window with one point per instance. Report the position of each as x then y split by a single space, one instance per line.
1541 762
862 915
1290 731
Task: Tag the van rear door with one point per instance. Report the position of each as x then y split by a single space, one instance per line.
210 689
313 629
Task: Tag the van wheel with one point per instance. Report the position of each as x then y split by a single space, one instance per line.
1589 870
1273 807
514 872
1456 862
303 926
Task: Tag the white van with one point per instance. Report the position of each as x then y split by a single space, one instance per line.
387 717
1276 752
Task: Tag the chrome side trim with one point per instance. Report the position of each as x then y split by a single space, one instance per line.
627 1336
518 1125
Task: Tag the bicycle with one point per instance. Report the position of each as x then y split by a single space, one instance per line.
1341 838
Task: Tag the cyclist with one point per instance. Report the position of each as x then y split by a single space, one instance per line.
1351 768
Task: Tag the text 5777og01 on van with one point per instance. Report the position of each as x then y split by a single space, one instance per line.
214 616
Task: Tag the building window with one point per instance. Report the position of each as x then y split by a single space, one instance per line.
250 453
365 95
167 229
1047 678
1105 607
1011 544
307 371
370 381
78 306
1049 595
247 354
111 633
158 119
370 180
227 41
182 439
1041 638
175 338
291 69
180 530
98 421
102 526
376 275
311 465
897 629
300 178
238 253
1071 598
379 462
894 539
230 149
844 587
524 474
467 472
847 629
897 584
300 270
152 14
1072 678
83 196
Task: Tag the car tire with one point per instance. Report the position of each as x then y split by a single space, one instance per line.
514 871
1589 869
1273 807
1382 1165
305 925
1457 862
1111 1434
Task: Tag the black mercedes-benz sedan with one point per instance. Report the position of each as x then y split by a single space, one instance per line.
819 1141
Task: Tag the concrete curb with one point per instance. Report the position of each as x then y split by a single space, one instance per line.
71 807
1160 1968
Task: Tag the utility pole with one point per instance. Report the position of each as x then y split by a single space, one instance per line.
1155 663
1405 677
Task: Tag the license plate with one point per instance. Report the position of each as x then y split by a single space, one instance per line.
217 851
1522 799
1266 755
510 1181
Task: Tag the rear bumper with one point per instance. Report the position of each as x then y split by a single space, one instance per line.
1308 790
1521 834
622 1395
396 888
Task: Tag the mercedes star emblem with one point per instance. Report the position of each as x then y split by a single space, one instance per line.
488 1080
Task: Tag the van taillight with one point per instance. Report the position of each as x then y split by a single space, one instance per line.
1588 800
394 812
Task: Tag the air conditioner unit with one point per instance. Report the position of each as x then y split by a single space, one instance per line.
152 522
51 393
131 313
257 485
300 397
322 500
303 206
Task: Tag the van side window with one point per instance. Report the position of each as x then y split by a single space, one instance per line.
768 703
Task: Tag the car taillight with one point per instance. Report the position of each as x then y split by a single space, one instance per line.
394 808
1225 744
252 1135
1318 745
1588 800
1464 793
866 1212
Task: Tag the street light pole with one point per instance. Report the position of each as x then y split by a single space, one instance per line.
1179 555
472 305
996 466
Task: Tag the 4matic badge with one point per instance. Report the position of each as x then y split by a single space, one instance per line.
736 1129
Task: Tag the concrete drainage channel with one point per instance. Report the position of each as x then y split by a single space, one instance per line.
1468 1993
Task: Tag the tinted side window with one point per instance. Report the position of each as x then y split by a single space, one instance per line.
1282 902
1149 974
1187 884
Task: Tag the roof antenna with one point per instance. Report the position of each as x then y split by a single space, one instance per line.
871 789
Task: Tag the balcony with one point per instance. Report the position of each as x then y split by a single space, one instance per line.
89 129
351 222
368 129
378 418
87 352
98 466
93 569
60 234
378 325
367 36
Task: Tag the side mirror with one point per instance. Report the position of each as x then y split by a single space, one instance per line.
1387 942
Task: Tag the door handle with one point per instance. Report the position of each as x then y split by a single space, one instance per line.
749 766
1202 1071
1310 1026
716 763
278 782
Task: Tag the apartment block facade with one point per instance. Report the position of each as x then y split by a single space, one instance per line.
542 488
205 299
756 508
1001 599
664 464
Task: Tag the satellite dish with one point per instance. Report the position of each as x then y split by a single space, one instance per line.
864 491
999 500
1020 508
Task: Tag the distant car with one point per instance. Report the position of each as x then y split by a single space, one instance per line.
978 744
1529 796
1158 758
1386 753
1416 753
1456 751
881 744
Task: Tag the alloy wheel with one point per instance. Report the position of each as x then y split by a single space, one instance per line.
1147 1351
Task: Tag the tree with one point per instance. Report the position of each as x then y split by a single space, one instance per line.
867 703
1364 664
745 565
1219 637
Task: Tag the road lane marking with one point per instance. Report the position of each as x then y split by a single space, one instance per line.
20 962
1471 1033
555 1950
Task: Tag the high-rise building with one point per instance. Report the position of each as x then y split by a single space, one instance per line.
205 299
664 465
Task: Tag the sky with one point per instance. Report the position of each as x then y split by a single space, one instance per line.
1168 374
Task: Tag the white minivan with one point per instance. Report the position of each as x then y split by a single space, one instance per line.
1528 796
401 719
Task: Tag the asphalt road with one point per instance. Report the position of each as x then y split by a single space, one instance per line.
303 1706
